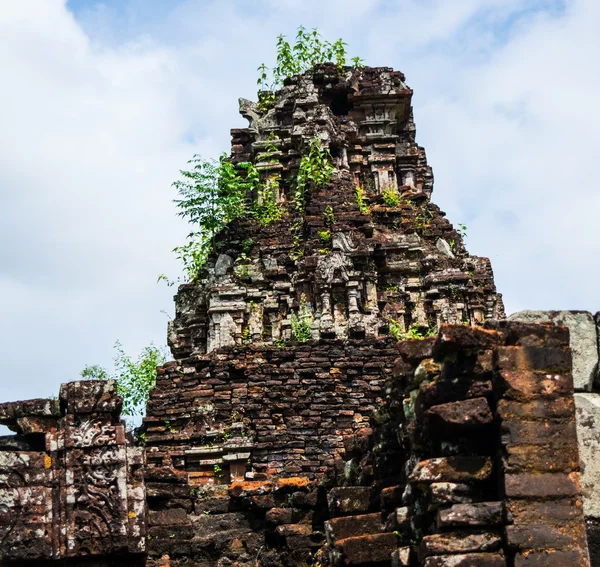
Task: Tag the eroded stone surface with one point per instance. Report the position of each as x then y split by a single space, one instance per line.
73 487
588 426
583 340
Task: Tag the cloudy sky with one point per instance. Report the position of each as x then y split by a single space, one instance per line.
102 102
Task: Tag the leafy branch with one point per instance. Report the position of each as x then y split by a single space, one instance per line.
135 379
213 194
309 50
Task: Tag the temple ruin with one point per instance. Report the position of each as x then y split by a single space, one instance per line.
416 426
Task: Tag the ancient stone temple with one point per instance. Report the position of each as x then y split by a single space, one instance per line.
407 424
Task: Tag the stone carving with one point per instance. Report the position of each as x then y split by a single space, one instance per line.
73 488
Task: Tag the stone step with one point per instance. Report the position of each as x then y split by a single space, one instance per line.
471 515
350 526
349 500
365 550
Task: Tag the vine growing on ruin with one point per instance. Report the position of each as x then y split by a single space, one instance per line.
316 168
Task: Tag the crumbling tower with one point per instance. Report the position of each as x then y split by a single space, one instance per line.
359 266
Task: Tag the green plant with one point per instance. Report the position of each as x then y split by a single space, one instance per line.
213 194
391 197
279 343
246 338
328 216
135 379
169 427
360 198
308 51
324 236
357 62
462 230
247 246
316 167
422 219
418 333
396 330
390 287
302 322
94 372
266 209
218 470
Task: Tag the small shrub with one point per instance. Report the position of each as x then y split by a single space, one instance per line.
418 333
135 379
316 167
213 194
391 197
324 236
267 209
328 216
308 51
94 372
302 322
360 197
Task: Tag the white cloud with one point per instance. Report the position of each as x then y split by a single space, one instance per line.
99 113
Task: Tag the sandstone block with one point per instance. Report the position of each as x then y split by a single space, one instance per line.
543 359
452 469
551 558
587 416
461 388
583 340
366 549
349 500
544 485
471 515
458 417
459 337
459 542
442 493
524 386
466 560
401 557
538 536
550 512
351 526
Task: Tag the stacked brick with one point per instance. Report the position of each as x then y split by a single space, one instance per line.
464 454
490 419
247 416
71 485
